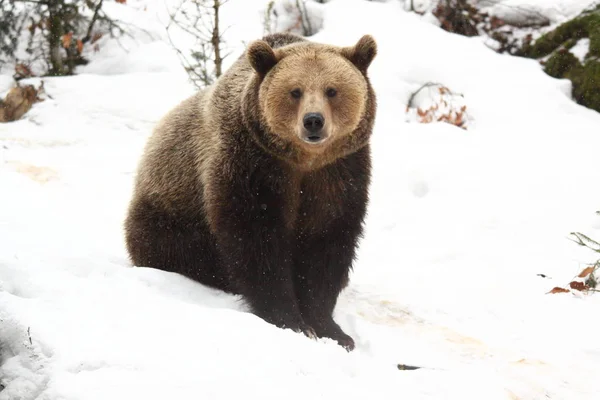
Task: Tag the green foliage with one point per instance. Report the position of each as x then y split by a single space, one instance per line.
560 63
574 29
595 39
586 84
586 25
586 241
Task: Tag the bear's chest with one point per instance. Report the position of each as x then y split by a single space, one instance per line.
323 198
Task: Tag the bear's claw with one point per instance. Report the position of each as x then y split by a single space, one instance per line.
333 331
310 332
345 341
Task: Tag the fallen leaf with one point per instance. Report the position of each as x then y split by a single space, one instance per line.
66 40
97 36
79 46
578 286
559 290
459 119
23 71
586 272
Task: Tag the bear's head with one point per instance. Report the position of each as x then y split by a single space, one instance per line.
315 102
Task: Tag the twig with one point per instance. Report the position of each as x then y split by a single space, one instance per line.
88 35
306 26
205 28
585 241
404 367
215 40
426 85
40 2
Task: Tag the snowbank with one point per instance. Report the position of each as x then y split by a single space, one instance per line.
460 224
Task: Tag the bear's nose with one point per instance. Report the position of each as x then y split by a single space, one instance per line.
313 123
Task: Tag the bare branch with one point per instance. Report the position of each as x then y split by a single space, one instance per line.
201 21
88 35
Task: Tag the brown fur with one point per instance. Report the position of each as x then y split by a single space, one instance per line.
228 194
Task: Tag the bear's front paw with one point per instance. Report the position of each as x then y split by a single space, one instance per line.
333 331
296 324
301 327
344 340
309 332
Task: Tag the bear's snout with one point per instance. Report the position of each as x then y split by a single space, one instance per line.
313 125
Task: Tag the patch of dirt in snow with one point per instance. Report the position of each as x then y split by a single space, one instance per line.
388 313
30 143
39 174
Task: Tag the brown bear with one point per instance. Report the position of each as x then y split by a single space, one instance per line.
258 184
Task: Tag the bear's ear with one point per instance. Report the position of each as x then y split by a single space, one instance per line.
261 56
362 53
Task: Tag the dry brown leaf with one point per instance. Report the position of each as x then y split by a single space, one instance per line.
586 272
66 40
79 46
23 71
559 290
97 36
459 121
578 286
121 1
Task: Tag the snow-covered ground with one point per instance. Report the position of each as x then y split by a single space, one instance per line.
460 224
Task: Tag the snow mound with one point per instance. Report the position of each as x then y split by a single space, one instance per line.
466 233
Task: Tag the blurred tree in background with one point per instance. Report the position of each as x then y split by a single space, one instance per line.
47 37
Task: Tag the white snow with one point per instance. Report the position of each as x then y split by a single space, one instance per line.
555 11
460 224
581 48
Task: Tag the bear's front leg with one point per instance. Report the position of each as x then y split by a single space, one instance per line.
246 214
323 263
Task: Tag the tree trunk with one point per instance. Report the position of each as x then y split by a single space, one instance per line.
216 40
55 38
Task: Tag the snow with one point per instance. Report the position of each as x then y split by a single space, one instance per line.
580 49
555 11
460 224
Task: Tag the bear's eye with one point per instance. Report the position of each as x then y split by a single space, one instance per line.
296 93
331 92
